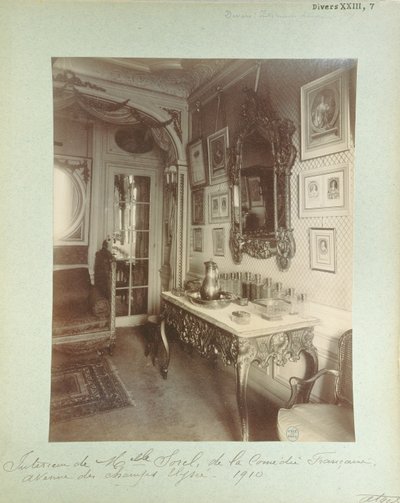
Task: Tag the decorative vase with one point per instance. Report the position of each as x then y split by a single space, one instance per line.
210 288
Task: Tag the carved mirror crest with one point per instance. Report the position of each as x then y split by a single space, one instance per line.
260 164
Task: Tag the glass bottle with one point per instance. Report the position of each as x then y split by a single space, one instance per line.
266 292
292 298
236 286
278 291
229 282
256 287
222 281
303 305
238 290
246 286
251 287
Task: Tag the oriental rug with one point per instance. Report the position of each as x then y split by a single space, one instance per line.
86 388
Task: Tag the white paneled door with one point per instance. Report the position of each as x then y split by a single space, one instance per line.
133 227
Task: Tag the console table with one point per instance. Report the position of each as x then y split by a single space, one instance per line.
213 333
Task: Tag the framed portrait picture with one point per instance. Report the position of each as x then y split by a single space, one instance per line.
198 207
324 192
255 191
197 164
218 238
323 250
325 115
219 209
198 239
217 144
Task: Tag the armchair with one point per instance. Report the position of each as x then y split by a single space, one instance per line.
83 314
321 422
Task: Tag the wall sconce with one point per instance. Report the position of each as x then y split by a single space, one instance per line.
171 177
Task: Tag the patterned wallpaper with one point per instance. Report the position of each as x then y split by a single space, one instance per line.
283 79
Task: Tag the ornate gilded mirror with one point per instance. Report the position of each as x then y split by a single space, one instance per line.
260 164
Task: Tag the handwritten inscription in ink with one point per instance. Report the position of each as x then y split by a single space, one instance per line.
131 468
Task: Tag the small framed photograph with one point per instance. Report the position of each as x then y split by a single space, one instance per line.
219 209
324 192
218 238
217 144
325 115
198 207
323 250
255 191
197 164
198 239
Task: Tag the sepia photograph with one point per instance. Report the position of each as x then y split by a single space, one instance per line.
108 296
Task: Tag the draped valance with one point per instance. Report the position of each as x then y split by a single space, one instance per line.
113 112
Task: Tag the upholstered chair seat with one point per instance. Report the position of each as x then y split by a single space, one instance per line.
317 422
321 422
83 314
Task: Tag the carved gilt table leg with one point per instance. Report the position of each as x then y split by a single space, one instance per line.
246 354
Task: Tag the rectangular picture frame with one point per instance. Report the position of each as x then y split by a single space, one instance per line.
196 154
323 249
219 207
325 115
324 192
198 239
217 145
198 207
218 239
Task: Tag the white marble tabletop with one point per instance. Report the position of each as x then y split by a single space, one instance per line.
257 326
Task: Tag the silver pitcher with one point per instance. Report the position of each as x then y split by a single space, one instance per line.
210 288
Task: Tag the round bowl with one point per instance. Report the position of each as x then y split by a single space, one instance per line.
225 298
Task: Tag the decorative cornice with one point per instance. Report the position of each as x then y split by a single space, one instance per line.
177 78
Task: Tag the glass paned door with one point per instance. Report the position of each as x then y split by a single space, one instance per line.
131 224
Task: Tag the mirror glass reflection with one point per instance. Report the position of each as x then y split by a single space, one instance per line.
257 186
68 204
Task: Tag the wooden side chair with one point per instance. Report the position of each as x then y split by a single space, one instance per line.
321 422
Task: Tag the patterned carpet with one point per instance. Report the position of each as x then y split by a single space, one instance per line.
85 388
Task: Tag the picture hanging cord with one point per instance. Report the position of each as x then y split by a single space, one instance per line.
199 121
257 76
220 108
